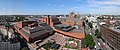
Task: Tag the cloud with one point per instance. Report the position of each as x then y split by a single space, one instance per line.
55 5
49 4
77 0
104 6
62 5
104 2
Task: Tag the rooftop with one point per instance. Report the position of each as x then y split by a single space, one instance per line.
115 26
116 30
34 32
62 25
78 35
47 27
31 30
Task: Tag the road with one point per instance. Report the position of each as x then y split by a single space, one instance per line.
88 32
98 41
99 44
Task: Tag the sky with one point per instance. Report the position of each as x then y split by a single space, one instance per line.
53 7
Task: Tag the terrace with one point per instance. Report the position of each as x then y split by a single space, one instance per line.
72 44
56 41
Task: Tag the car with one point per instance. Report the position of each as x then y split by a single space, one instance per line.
103 43
98 43
90 34
99 49
95 46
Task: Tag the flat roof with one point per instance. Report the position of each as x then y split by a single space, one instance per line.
116 30
62 25
33 35
17 26
78 35
36 34
34 29
77 30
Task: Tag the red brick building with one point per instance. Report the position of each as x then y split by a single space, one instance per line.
32 30
67 30
111 35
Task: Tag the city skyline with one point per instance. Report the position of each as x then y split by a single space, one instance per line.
38 7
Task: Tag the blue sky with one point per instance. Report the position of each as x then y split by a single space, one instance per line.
38 7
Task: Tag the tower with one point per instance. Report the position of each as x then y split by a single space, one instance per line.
71 16
78 15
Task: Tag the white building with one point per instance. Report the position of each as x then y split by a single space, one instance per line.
9 46
93 19
4 32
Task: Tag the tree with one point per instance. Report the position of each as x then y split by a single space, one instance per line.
8 26
96 31
90 25
99 35
92 45
84 24
20 18
86 21
88 41
25 48
47 45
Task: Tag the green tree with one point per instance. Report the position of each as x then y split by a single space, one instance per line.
86 21
90 25
47 45
99 35
84 24
20 18
96 32
92 45
25 48
8 26
88 41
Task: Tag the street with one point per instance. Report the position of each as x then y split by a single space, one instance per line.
99 44
88 32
